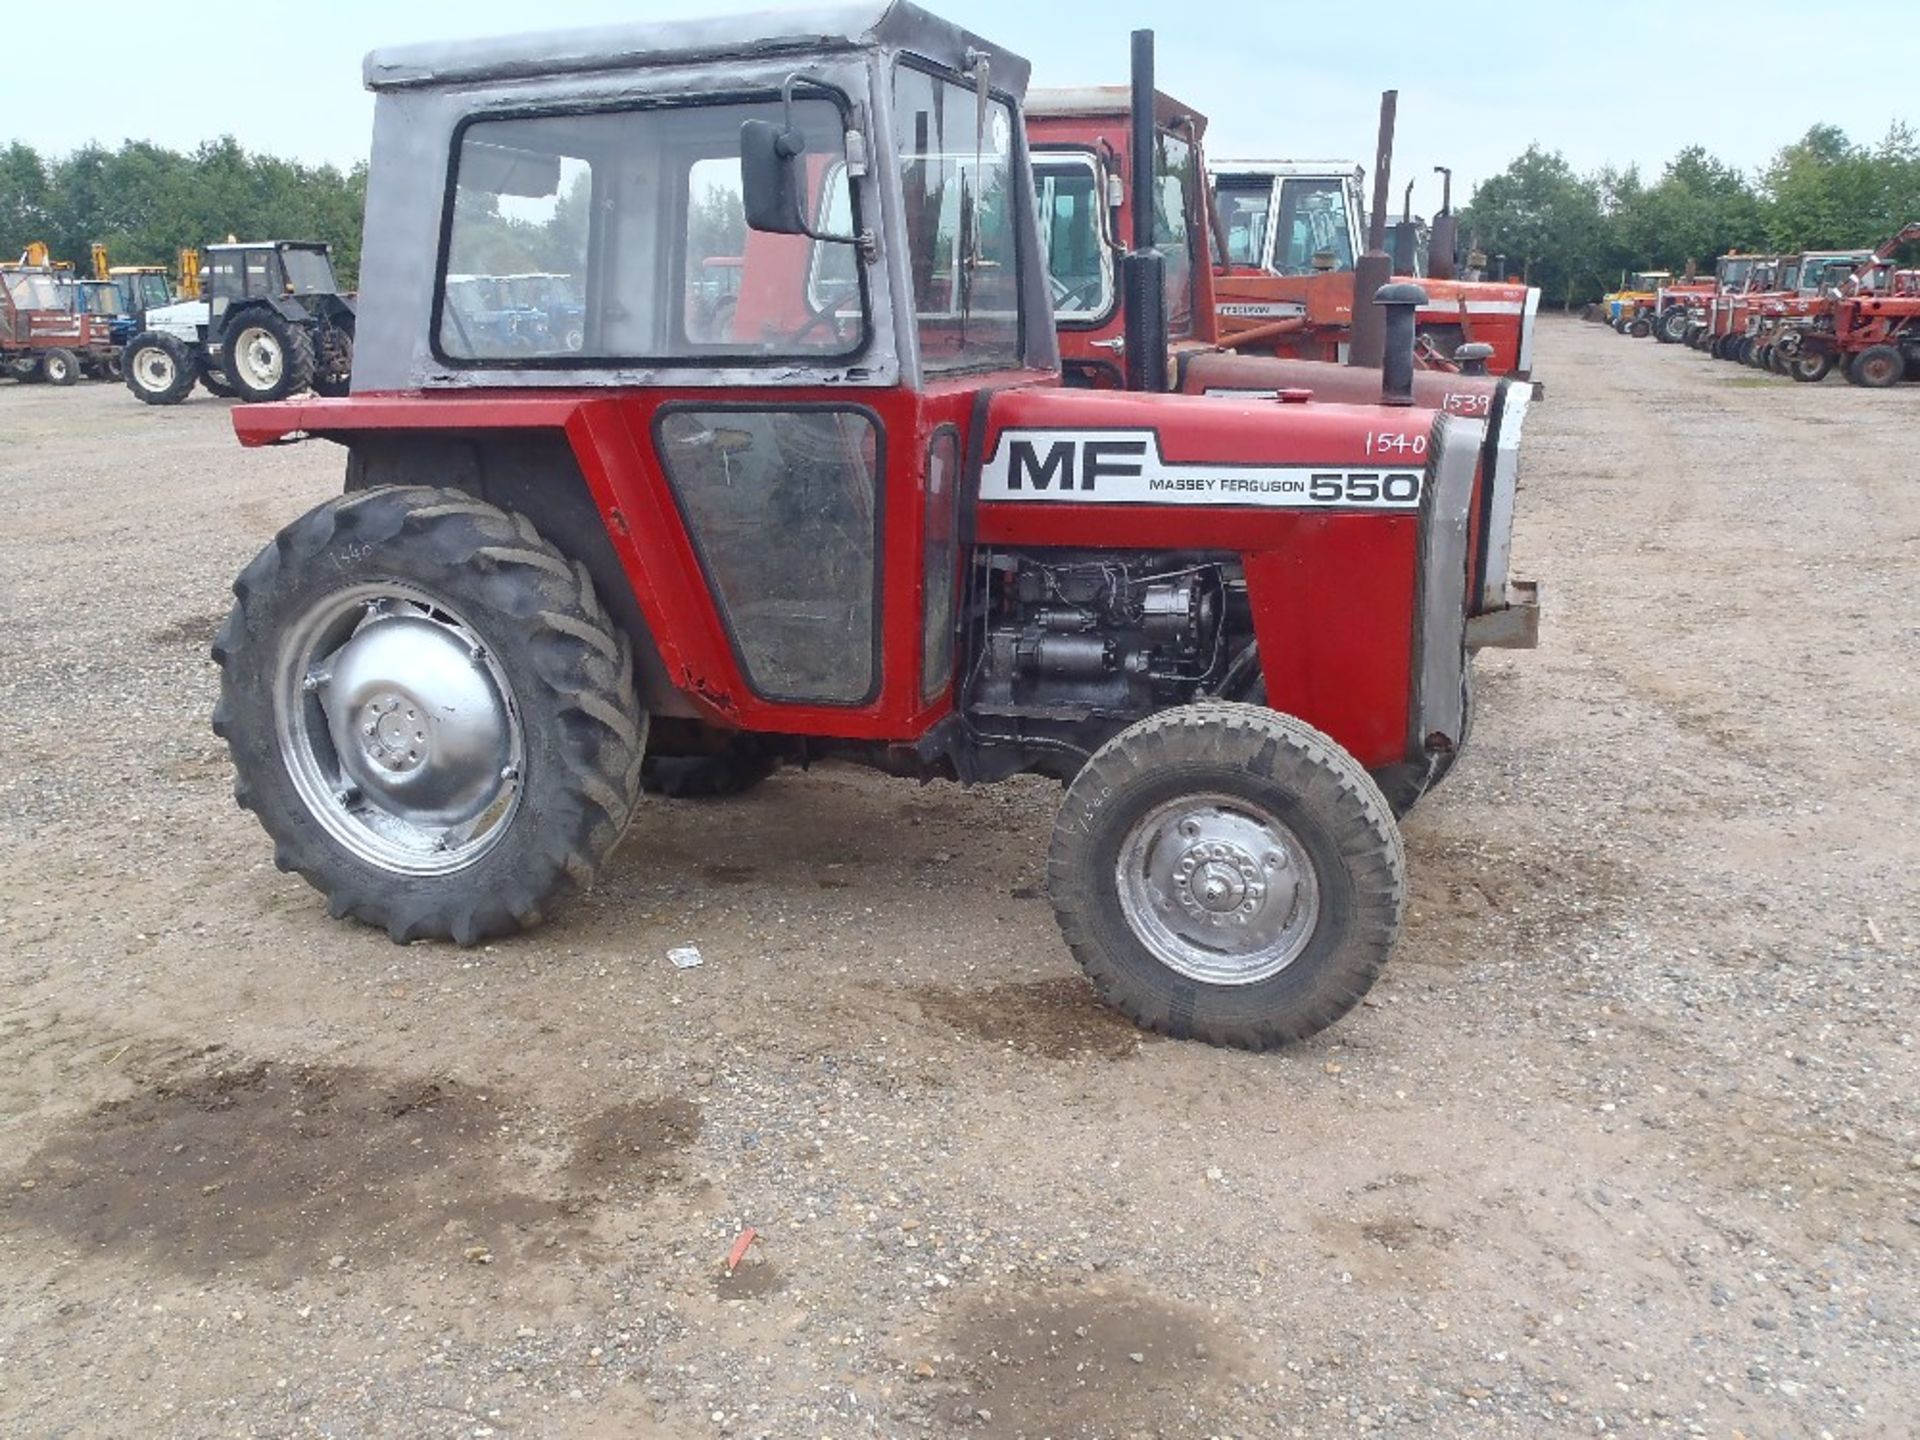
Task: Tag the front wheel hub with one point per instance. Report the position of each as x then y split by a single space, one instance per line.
1218 889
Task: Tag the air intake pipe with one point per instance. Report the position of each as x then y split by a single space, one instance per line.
1396 305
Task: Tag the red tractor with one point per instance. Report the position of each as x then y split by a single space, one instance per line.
861 519
1864 321
45 334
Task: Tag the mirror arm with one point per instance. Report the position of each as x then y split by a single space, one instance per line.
856 142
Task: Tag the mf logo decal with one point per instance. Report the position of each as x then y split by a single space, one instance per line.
1124 467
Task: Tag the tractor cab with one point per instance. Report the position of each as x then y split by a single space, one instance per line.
142 288
1290 217
267 270
1082 172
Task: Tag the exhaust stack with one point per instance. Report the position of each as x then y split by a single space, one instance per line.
1395 306
1143 270
1406 249
1444 243
1375 268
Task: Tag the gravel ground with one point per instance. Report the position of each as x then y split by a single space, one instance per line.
1625 1140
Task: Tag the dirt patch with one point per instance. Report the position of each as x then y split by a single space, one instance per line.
282 1169
1059 1019
632 1145
1078 1361
196 631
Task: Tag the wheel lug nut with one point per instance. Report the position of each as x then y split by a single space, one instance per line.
510 772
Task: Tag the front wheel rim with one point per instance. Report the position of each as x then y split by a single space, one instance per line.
1218 889
398 729
153 370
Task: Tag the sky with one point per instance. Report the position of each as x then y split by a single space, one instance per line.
1603 83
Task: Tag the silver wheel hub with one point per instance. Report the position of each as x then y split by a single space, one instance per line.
399 730
1218 889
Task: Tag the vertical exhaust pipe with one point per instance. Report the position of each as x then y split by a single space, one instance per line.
1444 244
1375 267
1143 270
1406 250
1395 305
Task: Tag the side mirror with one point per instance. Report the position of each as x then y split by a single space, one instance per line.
772 177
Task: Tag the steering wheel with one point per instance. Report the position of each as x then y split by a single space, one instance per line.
826 310
1074 297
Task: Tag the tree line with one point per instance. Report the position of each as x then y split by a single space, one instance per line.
1574 235
146 203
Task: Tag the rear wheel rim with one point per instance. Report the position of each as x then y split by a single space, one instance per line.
1218 889
259 358
398 729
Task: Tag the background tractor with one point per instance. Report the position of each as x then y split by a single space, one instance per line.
270 322
1296 256
45 330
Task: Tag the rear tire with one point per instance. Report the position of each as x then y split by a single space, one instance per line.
159 368
1672 327
60 367
1878 367
1227 873
266 357
525 766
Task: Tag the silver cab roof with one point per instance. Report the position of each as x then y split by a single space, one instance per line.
878 24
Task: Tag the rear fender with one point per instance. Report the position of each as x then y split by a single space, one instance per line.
526 461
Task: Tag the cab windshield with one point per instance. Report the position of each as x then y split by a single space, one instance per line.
309 272
1314 233
1067 194
100 297
35 291
1243 212
957 179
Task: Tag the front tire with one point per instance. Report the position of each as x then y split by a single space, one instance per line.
1878 367
60 367
1810 369
267 358
429 712
1228 873
159 368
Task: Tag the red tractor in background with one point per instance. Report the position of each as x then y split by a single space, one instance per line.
1086 141
46 333
1732 274
1673 304
1869 324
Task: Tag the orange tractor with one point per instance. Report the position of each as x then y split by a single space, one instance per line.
1295 260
